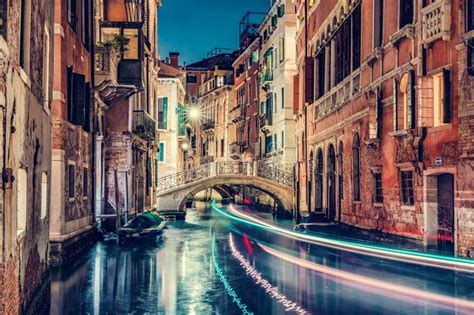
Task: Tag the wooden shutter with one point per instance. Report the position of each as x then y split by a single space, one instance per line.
395 105
165 113
411 99
87 107
447 105
378 113
309 80
78 96
70 88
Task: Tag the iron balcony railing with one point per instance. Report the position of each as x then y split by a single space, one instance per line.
210 124
143 125
274 174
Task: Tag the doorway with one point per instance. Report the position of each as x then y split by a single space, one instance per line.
331 178
439 213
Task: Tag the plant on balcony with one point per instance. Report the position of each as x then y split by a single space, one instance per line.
118 43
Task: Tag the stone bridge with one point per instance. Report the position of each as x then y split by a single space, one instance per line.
176 189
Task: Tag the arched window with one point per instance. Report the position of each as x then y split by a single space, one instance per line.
319 181
356 167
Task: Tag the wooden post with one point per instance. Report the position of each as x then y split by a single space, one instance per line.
117 212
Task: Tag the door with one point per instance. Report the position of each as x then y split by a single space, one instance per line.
446 229
331 176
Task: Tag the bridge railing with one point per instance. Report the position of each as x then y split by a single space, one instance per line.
226 168
275 174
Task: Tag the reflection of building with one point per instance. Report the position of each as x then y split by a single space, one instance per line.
383 138
171 118
277 59
212 93
72 217
245 112
126 93
26 61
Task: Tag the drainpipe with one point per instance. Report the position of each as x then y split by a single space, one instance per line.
305 140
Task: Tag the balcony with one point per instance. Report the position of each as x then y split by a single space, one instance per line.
337 96
143 125
237 114
106 76
266 77
130 72
436 21
208 125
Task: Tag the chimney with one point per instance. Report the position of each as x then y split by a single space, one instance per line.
174 58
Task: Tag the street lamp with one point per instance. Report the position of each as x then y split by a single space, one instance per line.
194 113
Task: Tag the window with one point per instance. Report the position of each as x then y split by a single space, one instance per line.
281 10
276 102
85 23
161 153
282 97
21 198
406 12
378 23
46 69
404 113
268 144
356 167
44 195
438 96
132 51
85 182
72 13
163 113
469 15
406 183
281 48
378 190
282 139
71 172
470 57
222 147
78 99
191 78
356 37
275 141
3 18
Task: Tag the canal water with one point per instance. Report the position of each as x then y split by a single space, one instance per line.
209 265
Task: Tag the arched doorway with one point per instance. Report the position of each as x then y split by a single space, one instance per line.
319 181
340 194
331 184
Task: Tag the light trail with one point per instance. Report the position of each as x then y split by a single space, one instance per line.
228 288
350 279
272 291
431 260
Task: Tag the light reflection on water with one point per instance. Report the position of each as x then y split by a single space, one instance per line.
182 277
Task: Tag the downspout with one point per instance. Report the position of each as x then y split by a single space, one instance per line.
305 140
92 102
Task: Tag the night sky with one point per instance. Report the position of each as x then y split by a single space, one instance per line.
194 27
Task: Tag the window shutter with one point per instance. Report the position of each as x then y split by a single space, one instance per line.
281 10
447 106
165 113
282 49
78 83
70 89
378 114
87 107
411 99
395 105
309 80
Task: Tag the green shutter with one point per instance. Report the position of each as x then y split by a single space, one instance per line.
395 105
281 10
161 152
411 99
165 113
447 108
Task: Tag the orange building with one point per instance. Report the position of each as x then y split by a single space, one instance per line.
384 117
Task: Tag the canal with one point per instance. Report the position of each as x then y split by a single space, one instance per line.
209 265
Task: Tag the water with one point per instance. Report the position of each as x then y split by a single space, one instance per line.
207 265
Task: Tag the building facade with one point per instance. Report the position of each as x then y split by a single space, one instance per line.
383 105
245 113
72 216
126 91
171 118
278 67
26 46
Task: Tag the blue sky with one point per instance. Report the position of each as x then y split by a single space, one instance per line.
193 27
